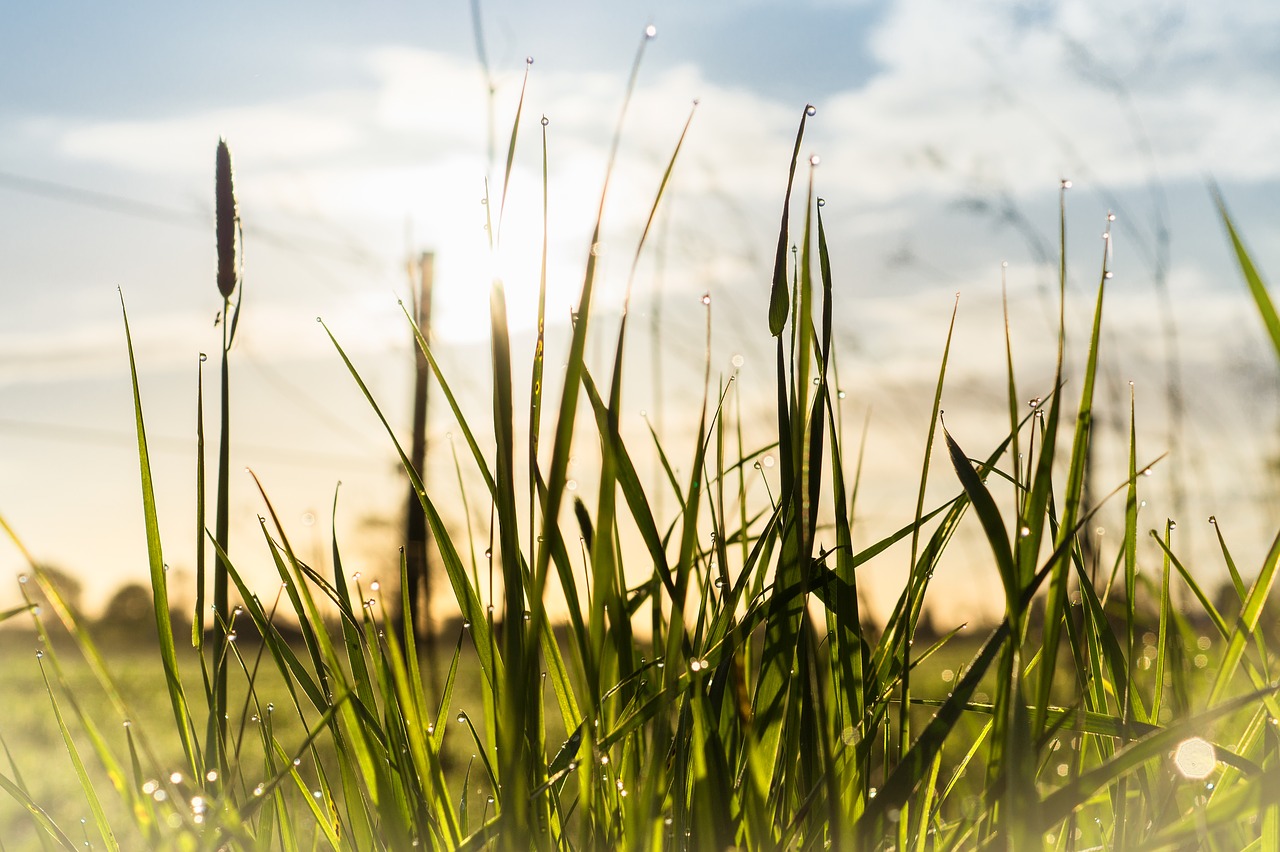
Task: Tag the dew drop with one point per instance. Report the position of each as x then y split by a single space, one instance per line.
1066 184
841 394
175 778
1111 217
706 298
545 121
39 655
1108 274
374 586
822 202
319 320
815 160
462 717
1213 520
23 578
650 31
572 485
810 110
528 60
271 708
211 775
203 357
738 360
527 615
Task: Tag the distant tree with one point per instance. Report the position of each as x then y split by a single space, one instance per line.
130 615
131 602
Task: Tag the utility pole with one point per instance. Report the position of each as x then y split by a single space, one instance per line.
416 535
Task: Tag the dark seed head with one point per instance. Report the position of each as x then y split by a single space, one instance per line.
225 221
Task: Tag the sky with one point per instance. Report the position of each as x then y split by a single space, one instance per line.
363 135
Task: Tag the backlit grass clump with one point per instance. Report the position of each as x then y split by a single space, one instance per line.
720 685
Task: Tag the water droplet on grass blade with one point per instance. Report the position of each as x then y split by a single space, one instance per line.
528 60
1066 184
810 110
706 298
650 31
815 160
822 202
545 121
23 578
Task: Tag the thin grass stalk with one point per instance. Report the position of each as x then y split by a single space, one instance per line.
227 226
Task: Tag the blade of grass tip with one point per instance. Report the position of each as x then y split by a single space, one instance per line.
159 578
21 784
778 303
1056 603
908 634
539 356
86 783
557 474
39 814
197 620
467 596
511 150
1257 287
519 715
606 568
350 633
1162 640
1247 622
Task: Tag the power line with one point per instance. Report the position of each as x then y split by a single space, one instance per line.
67 433
191 219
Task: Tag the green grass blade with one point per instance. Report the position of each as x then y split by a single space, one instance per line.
159 580
1257 287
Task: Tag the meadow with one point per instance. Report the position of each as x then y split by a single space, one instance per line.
736 694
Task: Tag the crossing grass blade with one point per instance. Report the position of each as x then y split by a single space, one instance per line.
1257 287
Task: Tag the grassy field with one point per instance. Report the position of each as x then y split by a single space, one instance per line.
736 695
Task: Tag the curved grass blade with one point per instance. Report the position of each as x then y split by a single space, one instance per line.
159 579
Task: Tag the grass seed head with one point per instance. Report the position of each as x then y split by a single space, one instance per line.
225 221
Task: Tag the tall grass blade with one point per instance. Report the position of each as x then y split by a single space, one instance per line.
159 578
1257 287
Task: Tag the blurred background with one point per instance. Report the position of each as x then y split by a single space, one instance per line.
364 136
